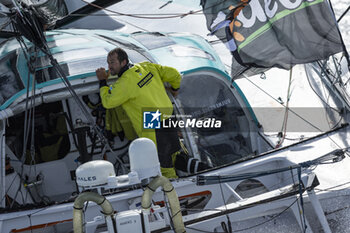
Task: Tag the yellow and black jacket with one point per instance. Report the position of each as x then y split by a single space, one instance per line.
118 121
140 88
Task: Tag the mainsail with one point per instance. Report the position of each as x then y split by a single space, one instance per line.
273 33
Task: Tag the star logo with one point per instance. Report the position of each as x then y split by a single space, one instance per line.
156 115
151 120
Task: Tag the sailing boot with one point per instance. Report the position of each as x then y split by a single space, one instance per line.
188 164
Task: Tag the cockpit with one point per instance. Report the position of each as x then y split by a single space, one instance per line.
226 137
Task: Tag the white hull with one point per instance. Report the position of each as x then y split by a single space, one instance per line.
333 200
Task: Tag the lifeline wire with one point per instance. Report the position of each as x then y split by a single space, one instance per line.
154 17
285 120
308 122
334 156
254 226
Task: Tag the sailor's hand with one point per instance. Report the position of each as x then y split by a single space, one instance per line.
174 93
102 74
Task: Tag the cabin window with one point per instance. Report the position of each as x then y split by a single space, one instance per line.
67 41
138 56
51 141
186 51
79 62
204 97
10 82
83 61
250 188
71 69
153 40
135 53
86 66
72 55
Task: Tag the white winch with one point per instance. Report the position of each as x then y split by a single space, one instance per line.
144 158
144 164
94 173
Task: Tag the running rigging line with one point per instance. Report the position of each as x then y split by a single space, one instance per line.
44 48
285 120
329 158
296 114
265 92
344 13
144 16
32 30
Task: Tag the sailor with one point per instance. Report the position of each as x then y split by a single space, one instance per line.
138 89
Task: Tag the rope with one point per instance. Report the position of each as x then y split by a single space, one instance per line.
284 125
324 101
168 210
254 226
308 122
151 16
227 216
140 16
301 198
332 157
60 72
296 114
345 51
25 127
345 12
